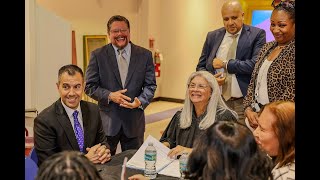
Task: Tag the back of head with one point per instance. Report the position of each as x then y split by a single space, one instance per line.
68 165
228 151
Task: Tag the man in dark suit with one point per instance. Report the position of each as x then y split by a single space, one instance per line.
121 77
70 123
216 58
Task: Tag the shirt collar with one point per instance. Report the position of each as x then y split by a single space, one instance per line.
238 33
127 49
69 110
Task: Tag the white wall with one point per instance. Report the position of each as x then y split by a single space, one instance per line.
29 53
48 47
184 26
53 45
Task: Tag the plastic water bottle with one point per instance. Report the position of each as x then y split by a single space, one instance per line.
150 158
183 161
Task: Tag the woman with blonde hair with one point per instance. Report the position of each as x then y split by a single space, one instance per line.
203 106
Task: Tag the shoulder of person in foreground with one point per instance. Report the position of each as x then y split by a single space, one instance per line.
284 172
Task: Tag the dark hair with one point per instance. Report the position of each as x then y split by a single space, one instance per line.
228 151
284 128
285 5
68 165
117 18
70 69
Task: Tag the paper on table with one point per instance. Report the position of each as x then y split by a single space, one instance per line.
137 160
172 169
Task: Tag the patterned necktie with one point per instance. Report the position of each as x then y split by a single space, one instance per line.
123 67
78 131
226 88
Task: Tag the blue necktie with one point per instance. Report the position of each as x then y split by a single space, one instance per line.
78 131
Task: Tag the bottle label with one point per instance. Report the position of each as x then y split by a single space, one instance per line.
183 166
150 157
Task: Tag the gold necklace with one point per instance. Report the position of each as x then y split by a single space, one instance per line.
279 47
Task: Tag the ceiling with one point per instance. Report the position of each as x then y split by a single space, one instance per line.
101 10
97 11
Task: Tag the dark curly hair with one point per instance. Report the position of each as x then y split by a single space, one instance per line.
68 165
285 5
228 151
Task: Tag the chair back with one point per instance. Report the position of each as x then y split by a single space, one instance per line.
31 169
33 155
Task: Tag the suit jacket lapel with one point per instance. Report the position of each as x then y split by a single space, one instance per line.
65 123
133 63
113 62
216 44
243 41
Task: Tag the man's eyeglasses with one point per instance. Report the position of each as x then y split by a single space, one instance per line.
283 3
116 31
199 86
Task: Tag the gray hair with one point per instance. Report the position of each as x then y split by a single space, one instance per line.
215 102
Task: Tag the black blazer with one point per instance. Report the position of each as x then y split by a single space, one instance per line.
103 77
53 131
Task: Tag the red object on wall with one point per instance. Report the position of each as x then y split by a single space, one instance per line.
157 69
74 51
151 43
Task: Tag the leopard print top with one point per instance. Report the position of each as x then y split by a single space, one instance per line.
281 74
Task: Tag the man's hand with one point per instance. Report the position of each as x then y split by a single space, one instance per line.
136 103
217 63
220 79
98 154
92 155
104 154
119 97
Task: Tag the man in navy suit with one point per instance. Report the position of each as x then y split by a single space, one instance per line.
214 54
122 92
55 128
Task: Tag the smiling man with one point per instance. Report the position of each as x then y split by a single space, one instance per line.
70 123
230 52
121 77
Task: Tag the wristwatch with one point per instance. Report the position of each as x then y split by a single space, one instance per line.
224 64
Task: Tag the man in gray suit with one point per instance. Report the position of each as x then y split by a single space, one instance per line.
70 123
121 77
215 54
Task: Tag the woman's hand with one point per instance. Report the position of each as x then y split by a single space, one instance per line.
138 177
252 117
178 150
166 144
